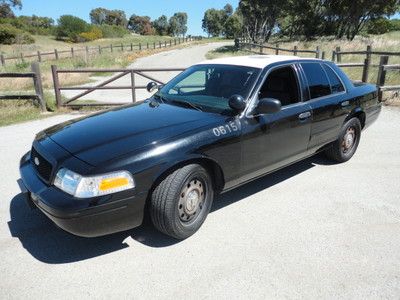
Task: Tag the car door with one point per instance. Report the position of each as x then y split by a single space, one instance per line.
273 140
327 101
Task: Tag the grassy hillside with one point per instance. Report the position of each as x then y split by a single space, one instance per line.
49 43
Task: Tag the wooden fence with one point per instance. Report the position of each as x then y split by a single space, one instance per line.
73 52
37 82
103 85
337 55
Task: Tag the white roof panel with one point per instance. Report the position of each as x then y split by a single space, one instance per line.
255 61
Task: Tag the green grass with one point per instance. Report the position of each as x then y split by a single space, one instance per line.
226 51
16 111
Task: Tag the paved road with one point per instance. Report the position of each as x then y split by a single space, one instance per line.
312 230
177 58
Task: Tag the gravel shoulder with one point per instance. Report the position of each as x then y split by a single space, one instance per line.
311 230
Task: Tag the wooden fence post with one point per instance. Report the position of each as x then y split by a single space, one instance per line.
39 55
323 55
159 44
56 54
131 46
333 55
277 49
147 45
154 45
295 50
170 43
37 81
99 49
381 75
317 52
140 47
338 55
175 41
122 47
3 60
365 71
72 52
111 47
261 49
56 84
368 55
22 57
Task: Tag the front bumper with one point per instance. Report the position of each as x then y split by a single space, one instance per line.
83 217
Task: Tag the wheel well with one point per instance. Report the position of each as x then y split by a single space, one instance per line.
211 166
360 115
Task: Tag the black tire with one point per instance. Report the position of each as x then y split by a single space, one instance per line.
344 147
175 213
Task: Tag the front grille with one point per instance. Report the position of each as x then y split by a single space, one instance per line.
42 166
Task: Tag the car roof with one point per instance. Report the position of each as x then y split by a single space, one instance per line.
255 61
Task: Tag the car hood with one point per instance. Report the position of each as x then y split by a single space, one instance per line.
107 135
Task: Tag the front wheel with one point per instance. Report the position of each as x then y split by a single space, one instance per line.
346 145
181 202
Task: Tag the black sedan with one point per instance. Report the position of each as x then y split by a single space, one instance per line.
217 125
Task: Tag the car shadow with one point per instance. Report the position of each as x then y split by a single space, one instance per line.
49 244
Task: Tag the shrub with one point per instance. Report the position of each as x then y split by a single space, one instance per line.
378 26
69 28
11 35
94 34
112 31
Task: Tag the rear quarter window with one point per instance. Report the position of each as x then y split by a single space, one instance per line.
318 82
336 84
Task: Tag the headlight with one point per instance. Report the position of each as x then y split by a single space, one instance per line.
88 187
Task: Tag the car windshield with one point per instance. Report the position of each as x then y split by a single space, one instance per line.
208 87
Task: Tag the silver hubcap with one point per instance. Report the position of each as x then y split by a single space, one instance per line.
349 139
191 200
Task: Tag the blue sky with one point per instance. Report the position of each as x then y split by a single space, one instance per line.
152 8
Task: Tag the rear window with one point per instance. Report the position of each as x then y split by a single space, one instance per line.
336 84
318 83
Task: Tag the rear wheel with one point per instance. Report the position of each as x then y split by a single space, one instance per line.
181 202
346 145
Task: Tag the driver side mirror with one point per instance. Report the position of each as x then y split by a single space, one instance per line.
268 106
237 103
151 86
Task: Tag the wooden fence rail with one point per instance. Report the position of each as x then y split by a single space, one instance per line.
73 52
37 83
103 85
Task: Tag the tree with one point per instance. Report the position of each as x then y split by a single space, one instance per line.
228 9
100 16
70 27
161 25
260 17
213 22
141 25
178 24
233 27
5 8
350 17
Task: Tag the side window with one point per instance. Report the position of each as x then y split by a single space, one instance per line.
317 81
336 84
281 84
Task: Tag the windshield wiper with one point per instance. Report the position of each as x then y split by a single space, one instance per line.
186 103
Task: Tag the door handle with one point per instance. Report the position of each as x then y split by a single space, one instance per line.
304 115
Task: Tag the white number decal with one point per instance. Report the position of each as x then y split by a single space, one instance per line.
228 128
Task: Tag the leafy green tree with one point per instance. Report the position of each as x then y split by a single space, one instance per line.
100 16
69 27
161 25
140 25
395 25
213 22
5 8
260 17
233 26
178 24
378 26
350 17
